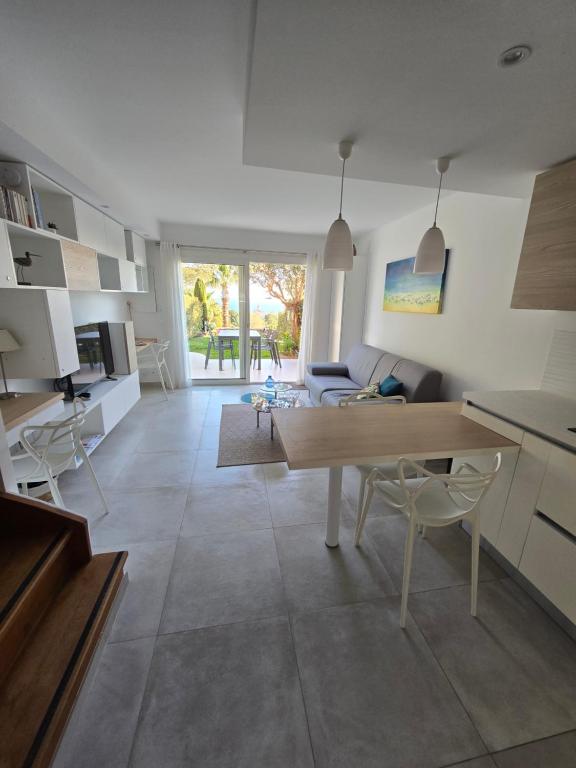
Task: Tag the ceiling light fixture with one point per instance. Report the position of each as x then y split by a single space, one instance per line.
339 249
431 254
514 55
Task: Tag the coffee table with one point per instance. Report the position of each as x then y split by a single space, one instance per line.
278 389
267 406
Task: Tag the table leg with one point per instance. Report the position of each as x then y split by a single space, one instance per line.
259 342
334 499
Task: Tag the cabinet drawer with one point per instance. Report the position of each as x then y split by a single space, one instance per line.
557 499
80 266
549 562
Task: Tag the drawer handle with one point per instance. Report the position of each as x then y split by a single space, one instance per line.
553 524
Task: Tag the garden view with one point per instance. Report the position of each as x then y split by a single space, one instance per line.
212 301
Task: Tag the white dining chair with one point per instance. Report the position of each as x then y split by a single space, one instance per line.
372 399
432 500
49 450
153 358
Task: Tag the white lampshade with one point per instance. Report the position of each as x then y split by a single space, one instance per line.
338 249
7 342
431 254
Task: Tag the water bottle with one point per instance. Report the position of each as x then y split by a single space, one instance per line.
269 382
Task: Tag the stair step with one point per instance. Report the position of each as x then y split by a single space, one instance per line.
32 597
20 554
40 689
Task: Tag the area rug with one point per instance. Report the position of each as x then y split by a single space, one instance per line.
242 442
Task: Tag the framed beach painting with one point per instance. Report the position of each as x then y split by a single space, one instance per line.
406 292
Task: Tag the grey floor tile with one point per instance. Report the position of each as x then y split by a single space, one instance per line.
555 752
209 439
154 514
223 578
148 568
101 732
279 471
442 559
374 693
478 762
106 466
300 499
512 667
206 473
156 470
224 697
315 576
166 438
225 509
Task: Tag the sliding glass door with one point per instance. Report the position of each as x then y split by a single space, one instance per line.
244 318
215 319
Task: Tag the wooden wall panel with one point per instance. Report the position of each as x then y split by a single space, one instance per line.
80 266
546 277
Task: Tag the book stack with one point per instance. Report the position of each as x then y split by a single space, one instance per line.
13 206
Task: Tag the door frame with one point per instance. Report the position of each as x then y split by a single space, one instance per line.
242 260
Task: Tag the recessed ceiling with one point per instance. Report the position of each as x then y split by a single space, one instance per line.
411 81
140 105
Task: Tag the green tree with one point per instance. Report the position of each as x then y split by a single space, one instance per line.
285 282
222 277
201 294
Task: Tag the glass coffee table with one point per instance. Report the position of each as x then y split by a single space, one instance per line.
278 390
286 397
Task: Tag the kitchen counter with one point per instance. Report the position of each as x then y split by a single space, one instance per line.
542 413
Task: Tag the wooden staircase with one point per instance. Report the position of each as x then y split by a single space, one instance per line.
55 598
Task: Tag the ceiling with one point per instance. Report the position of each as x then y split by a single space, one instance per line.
413 80
141 106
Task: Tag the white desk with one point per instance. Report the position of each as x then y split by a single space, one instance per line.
29 408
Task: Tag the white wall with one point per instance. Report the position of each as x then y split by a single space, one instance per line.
478 342
90 307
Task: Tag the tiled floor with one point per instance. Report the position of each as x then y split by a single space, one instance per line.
243 642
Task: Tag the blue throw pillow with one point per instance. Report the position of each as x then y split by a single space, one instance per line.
390 386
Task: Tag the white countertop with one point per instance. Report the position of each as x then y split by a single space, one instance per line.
542 413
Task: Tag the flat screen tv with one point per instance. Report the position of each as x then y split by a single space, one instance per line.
94 353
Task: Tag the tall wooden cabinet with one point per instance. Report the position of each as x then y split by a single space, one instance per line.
546 277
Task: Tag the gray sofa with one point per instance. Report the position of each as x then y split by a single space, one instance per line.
328 383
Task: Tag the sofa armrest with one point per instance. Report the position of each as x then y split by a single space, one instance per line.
327 369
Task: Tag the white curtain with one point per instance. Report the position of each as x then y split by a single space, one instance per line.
309 313
174 316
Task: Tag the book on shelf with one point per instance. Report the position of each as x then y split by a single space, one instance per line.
38 209
13 206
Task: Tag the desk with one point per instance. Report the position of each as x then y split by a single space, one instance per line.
30 408
377 434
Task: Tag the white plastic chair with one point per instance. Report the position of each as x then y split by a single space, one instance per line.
390 470
49 450
432 500
153 358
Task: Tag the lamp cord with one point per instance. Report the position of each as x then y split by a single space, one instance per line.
438 198
342 188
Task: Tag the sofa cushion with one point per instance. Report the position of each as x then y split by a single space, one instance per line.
327 369
333 396
421 383
320 384
361 361
390 386
385 366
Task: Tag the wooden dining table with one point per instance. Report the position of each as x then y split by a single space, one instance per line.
375 434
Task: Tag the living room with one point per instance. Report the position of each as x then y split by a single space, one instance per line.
288 345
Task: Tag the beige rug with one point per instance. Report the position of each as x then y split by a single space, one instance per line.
242 442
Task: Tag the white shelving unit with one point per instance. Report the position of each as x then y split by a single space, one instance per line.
121 254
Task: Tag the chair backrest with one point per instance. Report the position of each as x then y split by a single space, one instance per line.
465 487
160 350
56 443
370 398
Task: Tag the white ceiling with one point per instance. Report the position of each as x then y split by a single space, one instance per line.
413 80
139 104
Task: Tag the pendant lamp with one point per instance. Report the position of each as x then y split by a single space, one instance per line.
338 249
431 254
